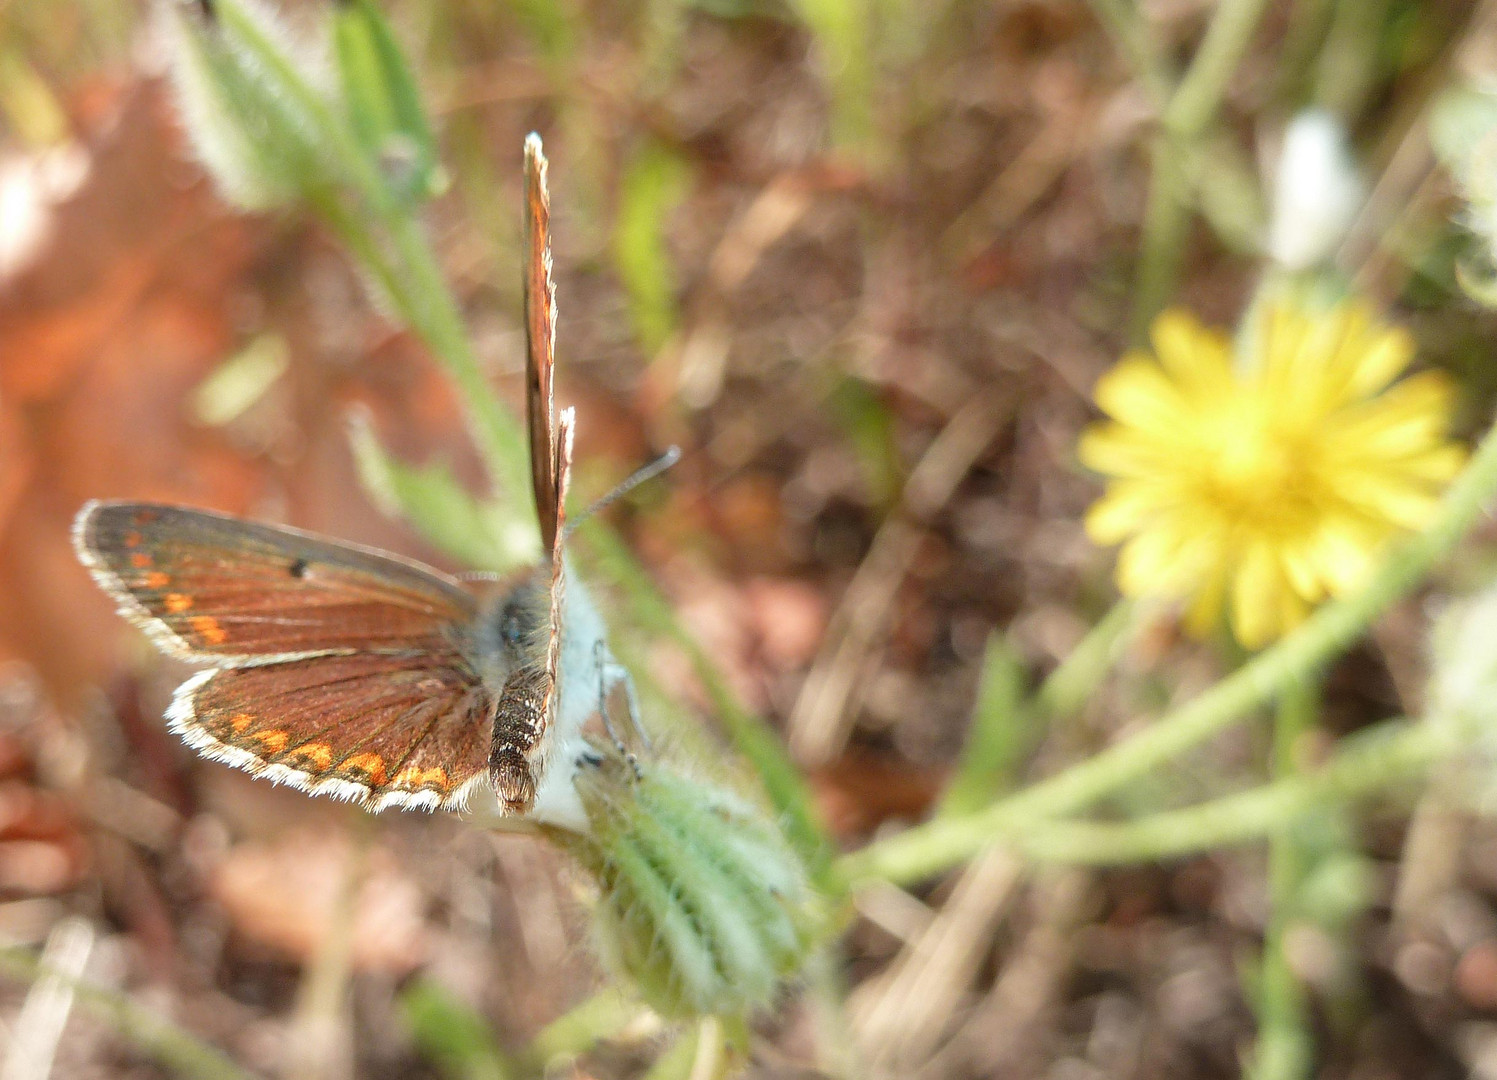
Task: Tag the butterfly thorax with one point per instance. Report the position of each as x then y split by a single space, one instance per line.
511 628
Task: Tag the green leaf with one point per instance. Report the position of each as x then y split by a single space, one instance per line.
240 381
1003 730
482 535
451 1035
870 428
550 24
654 182
384 105
843 30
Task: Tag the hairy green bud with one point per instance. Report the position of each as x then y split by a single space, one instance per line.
234 73
703 904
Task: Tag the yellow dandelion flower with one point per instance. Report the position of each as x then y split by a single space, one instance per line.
1268 482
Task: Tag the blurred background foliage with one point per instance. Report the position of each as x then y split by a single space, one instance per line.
863 260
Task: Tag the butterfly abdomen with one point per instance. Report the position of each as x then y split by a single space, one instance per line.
519 723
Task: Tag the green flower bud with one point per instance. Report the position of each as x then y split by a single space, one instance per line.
242 84
702 902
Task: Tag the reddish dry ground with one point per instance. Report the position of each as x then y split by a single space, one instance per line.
939 316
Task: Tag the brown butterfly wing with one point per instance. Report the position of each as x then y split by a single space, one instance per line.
407 730
216 589
540 339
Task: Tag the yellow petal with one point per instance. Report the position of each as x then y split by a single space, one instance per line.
1128 507
1301 571
1381 356
1205 610
1197 359
1115 450
1137 393
1410 418
1292 610
1281 348
1434 466
1343 552
1255 597
1151 564
1406 505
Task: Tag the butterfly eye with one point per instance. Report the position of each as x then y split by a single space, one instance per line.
511 628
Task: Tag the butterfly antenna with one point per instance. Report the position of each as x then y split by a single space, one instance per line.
649 472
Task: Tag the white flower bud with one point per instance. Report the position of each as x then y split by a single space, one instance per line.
1463 685
1317 191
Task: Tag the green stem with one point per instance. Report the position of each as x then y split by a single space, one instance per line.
1284 1047
1200 92
1165 229
1393 752
1074 680
411 273
1350 56
1135 40
1189 110
939 845
1007 725
180 1050
602 1016
1309 21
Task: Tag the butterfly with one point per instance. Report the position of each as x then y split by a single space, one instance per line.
347 671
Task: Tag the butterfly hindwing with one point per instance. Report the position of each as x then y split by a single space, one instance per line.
207 587
382 729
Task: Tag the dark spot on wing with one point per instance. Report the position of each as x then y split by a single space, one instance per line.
298 569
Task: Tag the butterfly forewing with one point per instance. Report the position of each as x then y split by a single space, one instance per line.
213 588
387 730
540 339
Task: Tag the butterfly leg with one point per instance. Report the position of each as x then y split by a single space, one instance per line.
610 674
616 674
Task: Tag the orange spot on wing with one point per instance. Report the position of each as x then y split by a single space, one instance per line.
318 754
140 560
144 517
240 721
415 777
208 629
273 740
133 538
177 602
156 579
370 765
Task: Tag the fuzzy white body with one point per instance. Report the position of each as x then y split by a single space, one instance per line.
586 671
